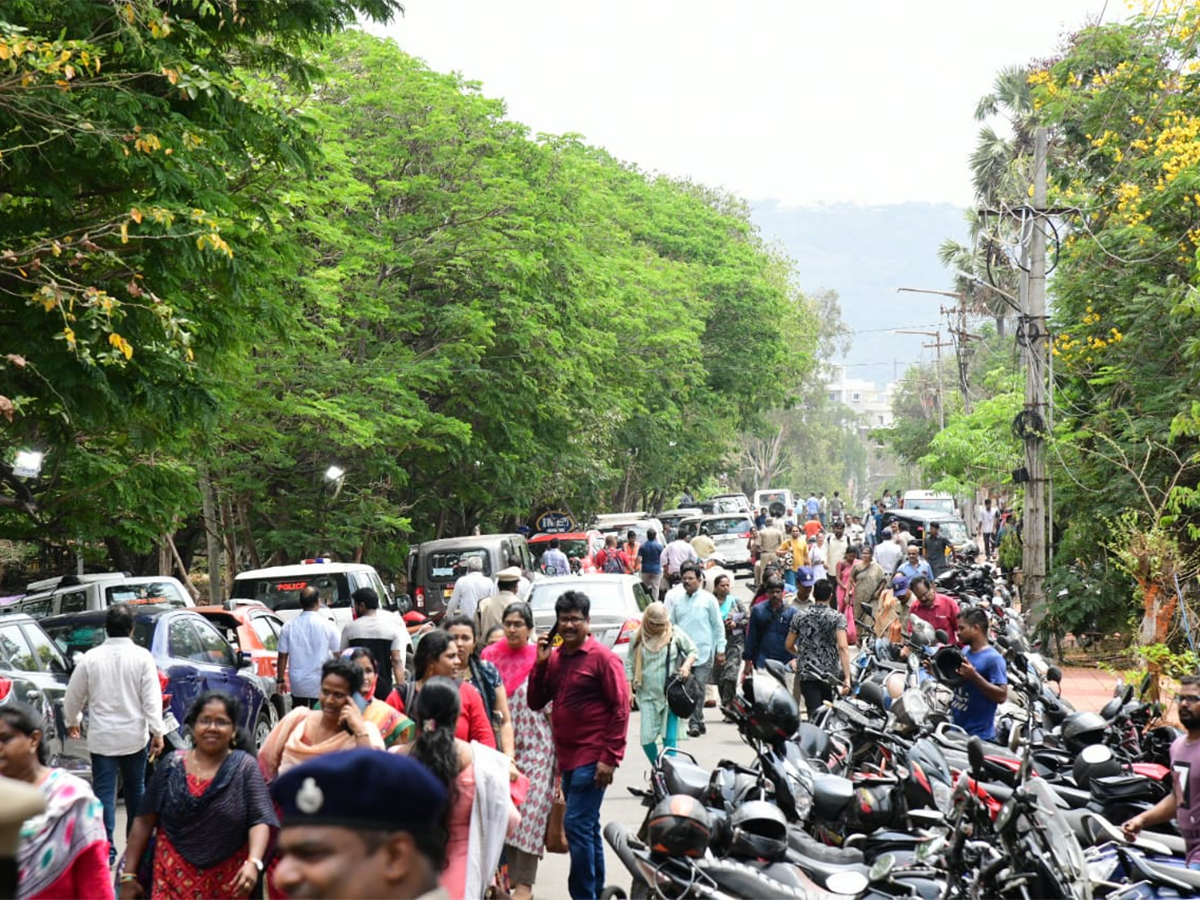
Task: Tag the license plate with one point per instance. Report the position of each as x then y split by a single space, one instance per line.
170 722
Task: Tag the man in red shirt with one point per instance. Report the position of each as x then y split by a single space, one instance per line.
612 552
937 609
586 681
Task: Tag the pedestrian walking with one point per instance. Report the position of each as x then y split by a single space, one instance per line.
437 656
586 683
394 726
306 643
118 683
658 652
734 615
817 635
338 725
485 678
386 637
767 631
473 586
793 552
490 611
208 811
480 814
649 557
62 851
697 612
869 581
534 745
360 825
986 520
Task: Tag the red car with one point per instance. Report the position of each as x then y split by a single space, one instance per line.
250 627
580 545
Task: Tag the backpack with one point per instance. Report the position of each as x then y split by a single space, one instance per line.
612 563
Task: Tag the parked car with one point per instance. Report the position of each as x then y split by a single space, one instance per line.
617 605
580 545
77 593
639 527
932 500
917 522
606 522
740 501
670 518
278 587
435 566
254 629
730 535
192 657
33 670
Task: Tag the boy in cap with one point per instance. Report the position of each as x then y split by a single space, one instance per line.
361 824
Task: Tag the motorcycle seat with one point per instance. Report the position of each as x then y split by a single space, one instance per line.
742 880
683 777
1072 797
810 849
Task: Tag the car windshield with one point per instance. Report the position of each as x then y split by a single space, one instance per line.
79 637
284 592
146 592
607 597
573 547
734 525
944 504
638 528
955 532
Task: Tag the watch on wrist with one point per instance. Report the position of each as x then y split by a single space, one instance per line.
258 863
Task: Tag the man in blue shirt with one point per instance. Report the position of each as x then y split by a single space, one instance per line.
913 566
766 634
698 613
985 678
650 557
554 561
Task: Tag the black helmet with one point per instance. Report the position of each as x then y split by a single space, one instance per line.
945 665
1081 729
679 826
759 831
771 712
1095 761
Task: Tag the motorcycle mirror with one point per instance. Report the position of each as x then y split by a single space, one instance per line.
777 670
1127 694
975 755
1054 673
941 637
872 693
1014 738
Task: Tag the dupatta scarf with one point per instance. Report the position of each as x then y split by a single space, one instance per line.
52 841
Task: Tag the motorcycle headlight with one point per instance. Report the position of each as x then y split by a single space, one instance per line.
1005 816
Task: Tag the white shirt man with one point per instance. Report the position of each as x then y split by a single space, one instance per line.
678 552
305 642
470 589
888 554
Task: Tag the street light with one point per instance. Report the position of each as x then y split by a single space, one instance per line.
28 463
335 478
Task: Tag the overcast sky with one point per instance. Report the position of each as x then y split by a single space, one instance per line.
868 102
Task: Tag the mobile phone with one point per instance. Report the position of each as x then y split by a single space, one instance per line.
552 634
361 702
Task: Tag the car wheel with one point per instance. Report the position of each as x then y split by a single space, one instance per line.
262 728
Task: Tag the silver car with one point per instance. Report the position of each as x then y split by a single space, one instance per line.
617 604
730 534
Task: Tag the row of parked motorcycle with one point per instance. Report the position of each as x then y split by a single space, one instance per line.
881 796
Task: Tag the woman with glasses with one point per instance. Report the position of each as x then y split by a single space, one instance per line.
207 810
533 745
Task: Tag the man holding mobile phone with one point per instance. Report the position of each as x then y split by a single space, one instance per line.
586 681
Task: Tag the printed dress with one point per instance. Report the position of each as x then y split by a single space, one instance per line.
534 745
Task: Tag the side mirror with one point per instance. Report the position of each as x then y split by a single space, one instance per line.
245 659
403 604
872 693
1054 673
975 755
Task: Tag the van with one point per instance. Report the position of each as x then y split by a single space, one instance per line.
278 587
778 502
434 566
82 593
931 500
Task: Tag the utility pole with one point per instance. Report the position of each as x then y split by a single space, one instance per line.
963 337
1033 337
937 345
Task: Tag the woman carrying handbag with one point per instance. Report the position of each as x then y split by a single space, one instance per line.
658 653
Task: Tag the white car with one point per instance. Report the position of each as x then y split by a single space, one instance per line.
278 587
730 533
617 605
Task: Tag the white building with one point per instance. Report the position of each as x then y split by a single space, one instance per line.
872 404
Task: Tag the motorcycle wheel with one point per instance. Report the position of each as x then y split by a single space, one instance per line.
612 893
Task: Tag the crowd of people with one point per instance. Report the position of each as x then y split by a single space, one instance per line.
454 778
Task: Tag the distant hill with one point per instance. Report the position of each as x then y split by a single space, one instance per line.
865 253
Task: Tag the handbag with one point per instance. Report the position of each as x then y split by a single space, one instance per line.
556 832
683 693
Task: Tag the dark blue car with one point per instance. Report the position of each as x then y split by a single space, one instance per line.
192 656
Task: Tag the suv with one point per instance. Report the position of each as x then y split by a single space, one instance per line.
730 533
78 593
434 566
778 502
278 587
917 522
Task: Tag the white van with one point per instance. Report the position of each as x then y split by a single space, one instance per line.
82 593
278 587
779 503
936 501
